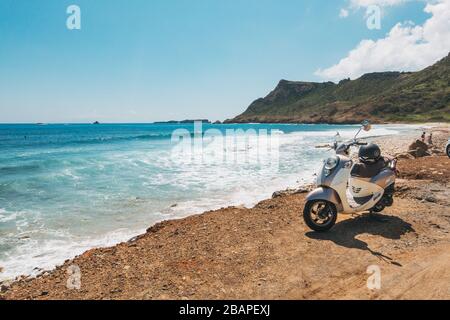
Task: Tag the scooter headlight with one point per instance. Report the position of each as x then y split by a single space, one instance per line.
331 163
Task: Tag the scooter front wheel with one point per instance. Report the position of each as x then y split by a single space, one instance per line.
320 215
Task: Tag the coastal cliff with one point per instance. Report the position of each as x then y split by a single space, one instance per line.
381 97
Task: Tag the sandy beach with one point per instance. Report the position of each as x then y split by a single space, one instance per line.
267 252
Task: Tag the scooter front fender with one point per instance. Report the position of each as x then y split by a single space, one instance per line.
328 194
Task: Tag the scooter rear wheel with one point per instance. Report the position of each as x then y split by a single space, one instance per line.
320 215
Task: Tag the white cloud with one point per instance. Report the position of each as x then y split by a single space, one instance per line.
406 47
354 5
343 13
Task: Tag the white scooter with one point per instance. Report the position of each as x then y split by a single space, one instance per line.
346 187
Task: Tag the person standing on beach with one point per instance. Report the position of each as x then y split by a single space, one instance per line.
430 139
423 136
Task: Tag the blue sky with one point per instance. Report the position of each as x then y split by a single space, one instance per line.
143 61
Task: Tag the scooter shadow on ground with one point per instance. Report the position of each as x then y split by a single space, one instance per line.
344 233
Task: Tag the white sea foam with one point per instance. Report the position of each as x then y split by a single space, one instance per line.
32 256
6 216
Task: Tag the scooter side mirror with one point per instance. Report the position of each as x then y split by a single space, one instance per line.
366 125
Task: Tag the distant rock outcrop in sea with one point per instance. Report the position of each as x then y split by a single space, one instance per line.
183 121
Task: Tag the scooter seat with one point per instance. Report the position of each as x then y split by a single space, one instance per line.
364 170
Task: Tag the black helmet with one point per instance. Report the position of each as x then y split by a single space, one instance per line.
370 153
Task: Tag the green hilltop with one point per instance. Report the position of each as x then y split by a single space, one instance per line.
381 97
